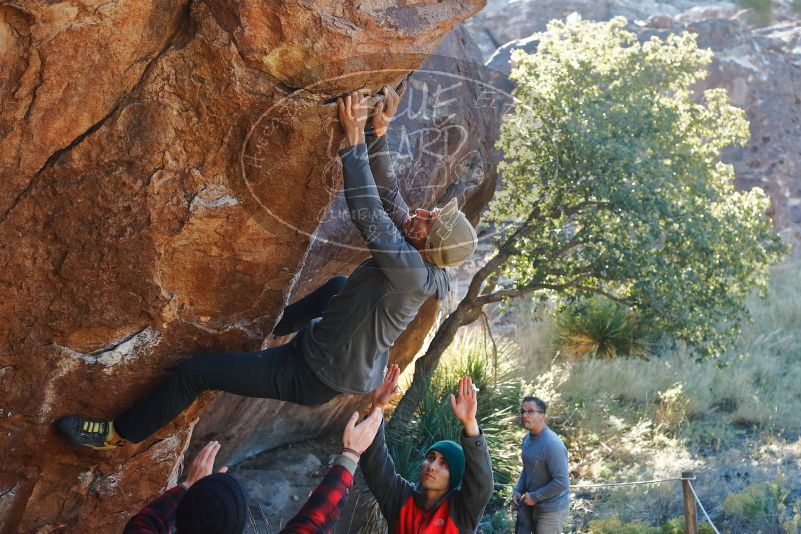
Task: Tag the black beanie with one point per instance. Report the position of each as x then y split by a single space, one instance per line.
214 504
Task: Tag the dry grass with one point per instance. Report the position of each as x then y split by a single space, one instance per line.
756 384
628 418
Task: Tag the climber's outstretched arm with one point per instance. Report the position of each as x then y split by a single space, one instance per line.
380 164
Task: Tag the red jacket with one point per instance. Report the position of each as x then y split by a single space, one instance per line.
413 518
403 503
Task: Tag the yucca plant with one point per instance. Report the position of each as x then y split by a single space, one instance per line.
600 328
374 522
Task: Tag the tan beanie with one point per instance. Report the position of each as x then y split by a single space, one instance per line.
452 239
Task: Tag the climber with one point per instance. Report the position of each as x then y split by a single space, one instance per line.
455 481
215 503
347 326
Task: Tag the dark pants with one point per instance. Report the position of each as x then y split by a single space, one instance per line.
276 373
533 521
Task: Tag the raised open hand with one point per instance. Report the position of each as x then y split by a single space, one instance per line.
387 391
203 464
353 116
465 405
385 111
357 438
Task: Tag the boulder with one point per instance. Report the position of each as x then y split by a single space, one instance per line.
164 167
442 148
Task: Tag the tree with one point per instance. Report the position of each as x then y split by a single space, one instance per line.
613 184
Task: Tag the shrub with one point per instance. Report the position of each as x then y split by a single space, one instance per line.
374 522
501 522
600 328
790 517
676 526
671 412
758 507
613 525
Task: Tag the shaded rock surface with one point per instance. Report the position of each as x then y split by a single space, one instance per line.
279 482
761 70
163 168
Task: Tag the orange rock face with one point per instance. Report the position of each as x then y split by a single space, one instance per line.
163 167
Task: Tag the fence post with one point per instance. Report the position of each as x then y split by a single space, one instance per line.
690 513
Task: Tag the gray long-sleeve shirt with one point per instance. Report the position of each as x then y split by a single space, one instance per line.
545 471
348 346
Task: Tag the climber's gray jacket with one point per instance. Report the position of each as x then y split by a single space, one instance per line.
348 346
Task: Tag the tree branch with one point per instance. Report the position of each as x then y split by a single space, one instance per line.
510 293
504 294
504 251
610 296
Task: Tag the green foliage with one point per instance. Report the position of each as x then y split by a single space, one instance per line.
755 500
498 401
676 526
600 328
614 525
613 174
790 517
759 507
630 419
501 522
710 401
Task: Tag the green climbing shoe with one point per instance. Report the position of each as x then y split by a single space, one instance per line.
83 432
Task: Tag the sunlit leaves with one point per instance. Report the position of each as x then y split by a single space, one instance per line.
617 165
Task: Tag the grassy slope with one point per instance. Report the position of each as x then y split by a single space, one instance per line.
734 421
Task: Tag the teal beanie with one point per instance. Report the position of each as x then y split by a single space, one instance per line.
454 455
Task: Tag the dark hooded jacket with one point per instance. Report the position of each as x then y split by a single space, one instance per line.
403 503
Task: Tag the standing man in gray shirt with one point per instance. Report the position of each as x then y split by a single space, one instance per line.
348 326
542 495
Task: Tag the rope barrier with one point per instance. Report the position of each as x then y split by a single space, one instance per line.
697 500
613 484
632 483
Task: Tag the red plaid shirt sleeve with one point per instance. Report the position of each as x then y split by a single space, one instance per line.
158 516
325 504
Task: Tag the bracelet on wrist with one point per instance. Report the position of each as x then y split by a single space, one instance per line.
352 451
